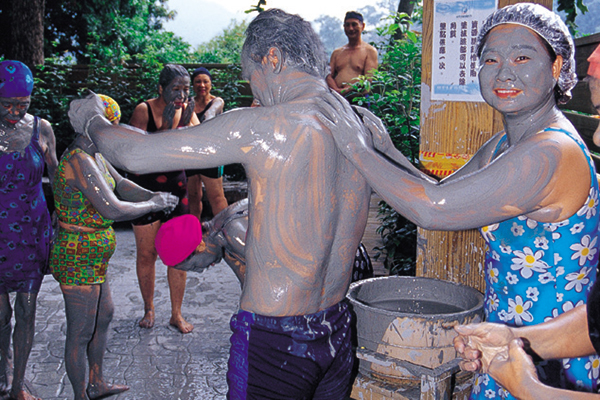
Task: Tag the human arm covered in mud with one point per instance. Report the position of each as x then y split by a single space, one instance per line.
225 238
540 176
84 174
216 142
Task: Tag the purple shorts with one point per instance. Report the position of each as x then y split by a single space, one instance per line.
298 357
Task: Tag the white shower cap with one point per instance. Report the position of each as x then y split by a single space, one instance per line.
549 27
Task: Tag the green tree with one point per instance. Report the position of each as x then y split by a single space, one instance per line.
223 48
110 30
21 30
395 98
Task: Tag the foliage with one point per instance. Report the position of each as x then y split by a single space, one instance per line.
223 48
570 7
50 99
395 98
258 7
585 23
129 84
108 29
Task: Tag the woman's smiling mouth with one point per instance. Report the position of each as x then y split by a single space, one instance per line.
506 93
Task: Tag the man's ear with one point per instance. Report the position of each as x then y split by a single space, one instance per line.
275 59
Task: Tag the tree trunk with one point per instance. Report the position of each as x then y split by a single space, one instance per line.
25 32
404 6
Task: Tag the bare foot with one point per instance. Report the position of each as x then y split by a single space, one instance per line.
23 395
181 324
103 390
6 375
148 321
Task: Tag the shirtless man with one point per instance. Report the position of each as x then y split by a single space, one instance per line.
353 59
307 211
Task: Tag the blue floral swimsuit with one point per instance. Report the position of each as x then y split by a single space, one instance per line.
535 271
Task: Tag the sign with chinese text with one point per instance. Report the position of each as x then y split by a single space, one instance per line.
454 64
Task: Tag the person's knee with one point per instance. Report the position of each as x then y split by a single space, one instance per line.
146 254
25 306
5 314
105 315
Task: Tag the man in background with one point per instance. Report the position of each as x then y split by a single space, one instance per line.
353 59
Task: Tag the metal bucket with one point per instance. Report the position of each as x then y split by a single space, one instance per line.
410 319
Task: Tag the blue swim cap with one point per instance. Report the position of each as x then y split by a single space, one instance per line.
16 79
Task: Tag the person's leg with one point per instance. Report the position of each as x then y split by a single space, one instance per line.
25 306
146 268
177 280
215 194
81 306
97 387
5 353
194 188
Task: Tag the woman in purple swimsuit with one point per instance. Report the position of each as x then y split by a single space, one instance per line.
26 143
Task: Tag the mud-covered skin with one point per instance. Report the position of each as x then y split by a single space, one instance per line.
224 237
307 204
16 130
89 308
542 175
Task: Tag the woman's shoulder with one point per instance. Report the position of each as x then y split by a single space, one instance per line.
139 117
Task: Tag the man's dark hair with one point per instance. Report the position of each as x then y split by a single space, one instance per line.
354 15
300 46
170 72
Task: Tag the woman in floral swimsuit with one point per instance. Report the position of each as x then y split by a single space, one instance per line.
531 189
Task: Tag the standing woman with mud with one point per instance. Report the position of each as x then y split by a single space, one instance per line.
206 107
167 111
531 190
86 206
26 143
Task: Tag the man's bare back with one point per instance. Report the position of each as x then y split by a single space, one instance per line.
308 204
307 210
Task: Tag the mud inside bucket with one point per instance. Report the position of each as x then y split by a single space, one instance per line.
411 319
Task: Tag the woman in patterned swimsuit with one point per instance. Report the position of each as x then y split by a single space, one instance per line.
26 143
531 189
86 208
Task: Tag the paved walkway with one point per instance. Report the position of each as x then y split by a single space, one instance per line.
158 363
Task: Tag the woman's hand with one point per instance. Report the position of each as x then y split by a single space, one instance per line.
347 129
168 116
83 110
516 372
479 344
381 138
188 111
164 201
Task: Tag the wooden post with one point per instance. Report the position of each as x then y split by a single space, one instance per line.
456 128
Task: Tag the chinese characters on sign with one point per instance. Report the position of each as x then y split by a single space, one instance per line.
454 64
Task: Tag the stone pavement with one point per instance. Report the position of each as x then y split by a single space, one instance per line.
158 363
